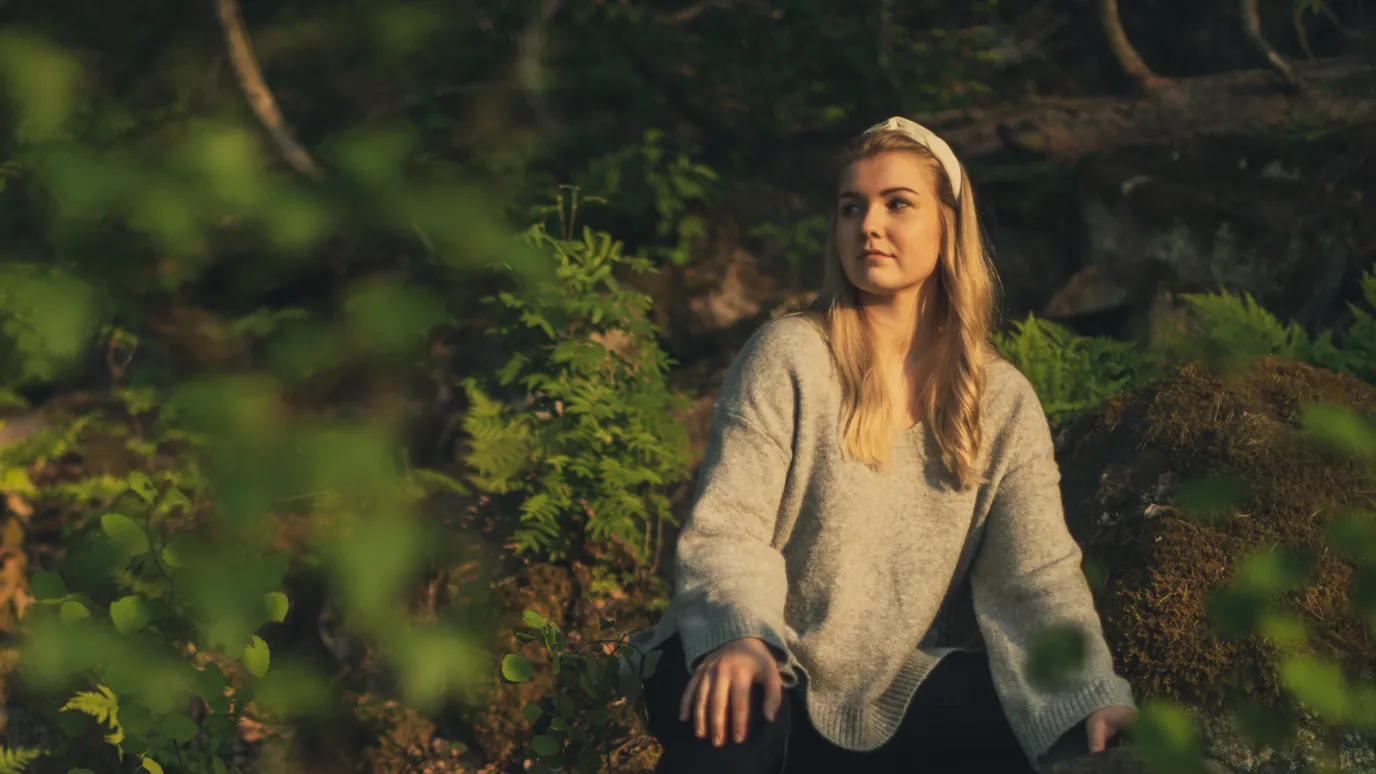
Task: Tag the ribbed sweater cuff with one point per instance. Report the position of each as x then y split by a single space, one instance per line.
1061 715
699 641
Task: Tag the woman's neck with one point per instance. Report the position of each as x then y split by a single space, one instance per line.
902 325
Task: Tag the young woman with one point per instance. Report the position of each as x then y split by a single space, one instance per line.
876 475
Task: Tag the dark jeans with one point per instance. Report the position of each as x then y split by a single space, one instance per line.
954 724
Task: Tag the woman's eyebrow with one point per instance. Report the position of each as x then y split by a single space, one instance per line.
885 192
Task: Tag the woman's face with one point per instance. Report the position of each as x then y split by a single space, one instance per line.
888 225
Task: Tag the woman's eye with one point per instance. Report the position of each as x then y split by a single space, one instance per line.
899 204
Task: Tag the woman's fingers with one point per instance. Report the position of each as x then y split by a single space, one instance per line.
704 693
773 693
718 697
1098 734
740 706
690 693
722 688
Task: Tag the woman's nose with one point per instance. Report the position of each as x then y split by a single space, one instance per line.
870 223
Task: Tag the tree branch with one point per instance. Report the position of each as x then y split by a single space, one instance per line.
685 15
1251 26
257 92
1123 50
1297 21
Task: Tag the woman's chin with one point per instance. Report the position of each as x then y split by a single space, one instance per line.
879 288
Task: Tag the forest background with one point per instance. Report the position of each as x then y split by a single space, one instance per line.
355 358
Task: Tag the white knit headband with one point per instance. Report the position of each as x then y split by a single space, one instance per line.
935 144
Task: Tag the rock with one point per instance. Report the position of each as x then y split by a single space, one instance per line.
1092 289
1124 469
1288 222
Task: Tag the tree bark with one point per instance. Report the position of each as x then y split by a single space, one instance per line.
1066 128
1123 50
1251 27
257 92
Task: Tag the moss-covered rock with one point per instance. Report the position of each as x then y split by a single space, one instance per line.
1126 470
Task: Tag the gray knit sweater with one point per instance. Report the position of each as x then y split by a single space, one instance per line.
853 574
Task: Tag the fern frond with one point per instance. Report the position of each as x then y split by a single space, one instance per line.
13 760
103 706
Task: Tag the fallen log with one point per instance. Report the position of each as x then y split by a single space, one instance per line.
1068 128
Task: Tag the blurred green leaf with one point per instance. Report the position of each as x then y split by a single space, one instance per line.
1213 496
1353 534
533 619
129 614
257 657
1262 725
175 498
374 563
72 610
545 745
1167 739
51 317
151 766
1283 629
128 537
434 660
228 160
277 606
1318 685
1235 613
180 728
47 585
135 718
376 159
1341 428
210 683
517 668
532 712
1056 656
391 318
179 551
292 690
1363 593
41 80
143 487
1272 570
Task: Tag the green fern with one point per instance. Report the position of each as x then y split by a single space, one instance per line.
1071 373
13 760
103 706
583 431
1227 325
1238 325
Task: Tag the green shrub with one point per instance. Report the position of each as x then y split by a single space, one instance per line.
573 726
141 611
578 427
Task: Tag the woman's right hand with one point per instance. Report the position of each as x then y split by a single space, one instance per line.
725 677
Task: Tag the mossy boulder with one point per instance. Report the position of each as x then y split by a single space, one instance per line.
1155 557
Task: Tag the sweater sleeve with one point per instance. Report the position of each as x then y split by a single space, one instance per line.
1027 577
730 580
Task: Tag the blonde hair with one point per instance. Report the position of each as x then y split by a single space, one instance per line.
967 287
